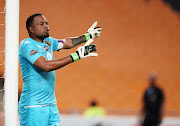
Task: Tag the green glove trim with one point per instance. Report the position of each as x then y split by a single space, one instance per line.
90 49
88 36
74 56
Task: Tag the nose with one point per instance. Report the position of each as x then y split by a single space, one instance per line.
46 26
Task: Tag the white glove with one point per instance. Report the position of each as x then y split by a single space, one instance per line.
93 32
84 51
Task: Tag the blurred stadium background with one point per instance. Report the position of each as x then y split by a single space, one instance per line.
138 37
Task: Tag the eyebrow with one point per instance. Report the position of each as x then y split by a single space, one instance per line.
43 21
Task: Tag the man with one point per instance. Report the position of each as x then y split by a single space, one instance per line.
153 100
37 105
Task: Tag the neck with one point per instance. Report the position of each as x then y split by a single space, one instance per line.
36 39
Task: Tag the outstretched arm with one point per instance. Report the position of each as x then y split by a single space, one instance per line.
73 41
93 32
81 53
50 65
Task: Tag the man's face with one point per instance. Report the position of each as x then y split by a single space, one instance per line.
40 27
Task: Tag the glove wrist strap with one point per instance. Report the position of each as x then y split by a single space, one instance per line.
74 56
87 36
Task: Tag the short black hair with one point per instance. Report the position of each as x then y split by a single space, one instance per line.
30 20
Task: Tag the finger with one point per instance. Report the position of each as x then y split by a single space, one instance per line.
97 35
88 42
98 28
98 32
92 48
92 54
94 25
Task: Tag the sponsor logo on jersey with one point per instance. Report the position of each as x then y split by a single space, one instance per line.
26 42
46 48
33 52
48 43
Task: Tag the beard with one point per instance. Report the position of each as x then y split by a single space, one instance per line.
42 37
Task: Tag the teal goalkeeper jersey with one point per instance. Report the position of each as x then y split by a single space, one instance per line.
38 85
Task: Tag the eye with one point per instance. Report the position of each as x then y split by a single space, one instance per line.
41 24
47 23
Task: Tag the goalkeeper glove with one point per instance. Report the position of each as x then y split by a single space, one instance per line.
93 32
84 51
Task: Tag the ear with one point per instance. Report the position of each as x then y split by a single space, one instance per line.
31 29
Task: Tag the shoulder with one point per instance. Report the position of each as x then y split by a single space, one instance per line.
25 42
158 88
50 39
25 45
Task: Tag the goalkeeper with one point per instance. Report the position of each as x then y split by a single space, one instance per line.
37 105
